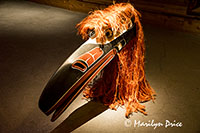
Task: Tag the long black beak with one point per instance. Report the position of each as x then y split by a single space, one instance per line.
77 71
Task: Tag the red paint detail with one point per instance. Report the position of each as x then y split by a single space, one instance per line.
88 58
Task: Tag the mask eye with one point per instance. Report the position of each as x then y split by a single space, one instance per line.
109 33
91 33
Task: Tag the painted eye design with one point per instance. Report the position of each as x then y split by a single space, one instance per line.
91 33
109 33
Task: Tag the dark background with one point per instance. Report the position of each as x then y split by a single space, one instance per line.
35 40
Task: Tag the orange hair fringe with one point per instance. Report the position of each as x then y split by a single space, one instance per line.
122 81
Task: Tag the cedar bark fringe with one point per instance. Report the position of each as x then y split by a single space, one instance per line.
123 80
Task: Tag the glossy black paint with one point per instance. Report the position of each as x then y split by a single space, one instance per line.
65 77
